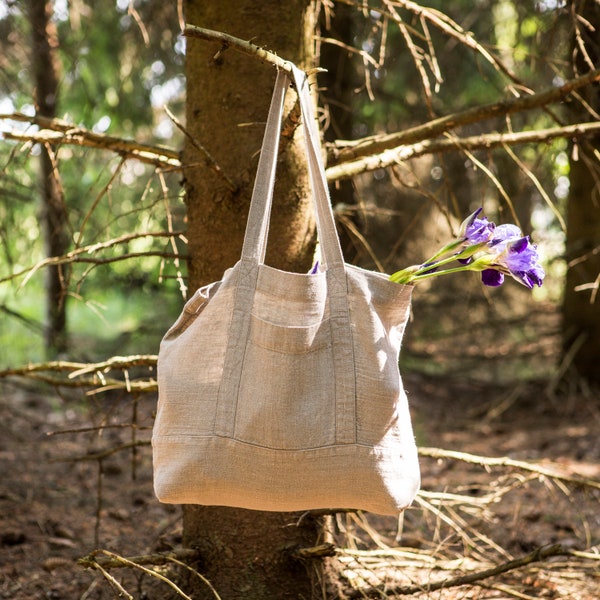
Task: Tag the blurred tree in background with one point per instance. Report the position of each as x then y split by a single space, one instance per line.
114 66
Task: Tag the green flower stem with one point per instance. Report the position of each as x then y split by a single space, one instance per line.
426 270
447 248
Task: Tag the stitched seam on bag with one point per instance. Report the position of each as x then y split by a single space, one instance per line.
185 438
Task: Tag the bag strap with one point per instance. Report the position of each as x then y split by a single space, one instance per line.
253 253
255 239
337 286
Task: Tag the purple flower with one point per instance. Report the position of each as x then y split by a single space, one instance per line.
494 251
474 230
515 255
492 277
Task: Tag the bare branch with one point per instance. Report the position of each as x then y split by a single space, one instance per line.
345 151
442 22
76 255
504 461
57 131
47 373
228 41
537 555
490 140
91 561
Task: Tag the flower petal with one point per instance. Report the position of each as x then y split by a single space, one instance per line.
492 277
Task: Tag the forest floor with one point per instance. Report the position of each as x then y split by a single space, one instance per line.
64 493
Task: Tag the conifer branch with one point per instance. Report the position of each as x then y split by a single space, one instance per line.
345 151
76 255
227 41
403 153
58 131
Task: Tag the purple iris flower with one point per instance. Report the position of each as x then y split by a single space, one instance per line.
515 255
476 230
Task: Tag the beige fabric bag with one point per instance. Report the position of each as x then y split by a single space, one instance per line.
281 391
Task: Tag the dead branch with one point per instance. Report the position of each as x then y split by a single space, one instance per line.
504 461
57 131
98 382
74 255
537 555
145 386
345 151
92 561
442 22
77 368
486 141
228 41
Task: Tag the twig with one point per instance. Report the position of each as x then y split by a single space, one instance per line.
101 455
114 583
229 41
504 461
415 53
93 560
210 160
199 575
130 563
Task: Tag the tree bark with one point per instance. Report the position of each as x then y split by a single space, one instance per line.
245 554
53 214
581 305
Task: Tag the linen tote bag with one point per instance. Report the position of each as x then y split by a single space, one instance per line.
281 391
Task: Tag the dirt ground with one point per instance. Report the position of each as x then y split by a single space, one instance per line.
55 509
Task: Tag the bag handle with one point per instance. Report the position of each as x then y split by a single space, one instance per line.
255 239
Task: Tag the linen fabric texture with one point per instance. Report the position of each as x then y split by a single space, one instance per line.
280 391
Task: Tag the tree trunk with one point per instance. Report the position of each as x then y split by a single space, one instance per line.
53 213
581 306
245 554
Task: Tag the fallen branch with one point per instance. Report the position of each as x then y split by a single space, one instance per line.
92 561
504 461
537 555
